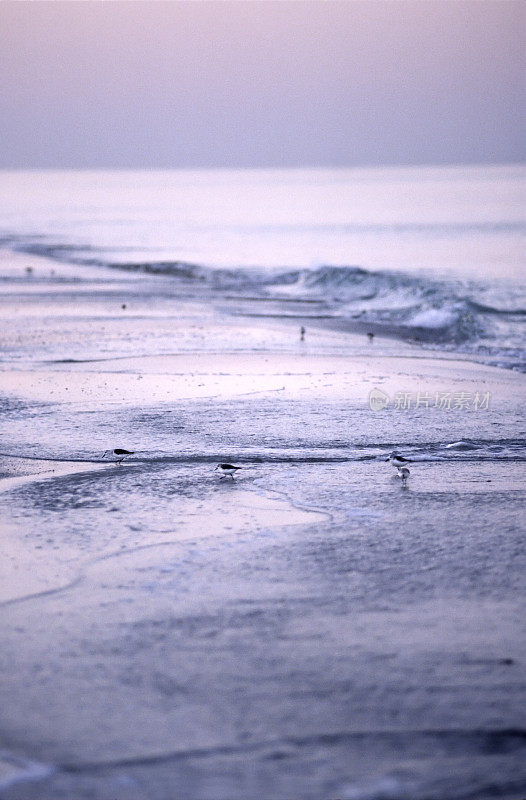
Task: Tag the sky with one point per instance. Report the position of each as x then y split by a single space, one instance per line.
261 83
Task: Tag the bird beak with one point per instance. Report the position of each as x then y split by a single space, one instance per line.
104 453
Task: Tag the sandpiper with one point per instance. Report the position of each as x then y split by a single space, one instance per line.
397 460
120 453
227 469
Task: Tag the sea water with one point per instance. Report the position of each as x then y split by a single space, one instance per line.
427 254
375 653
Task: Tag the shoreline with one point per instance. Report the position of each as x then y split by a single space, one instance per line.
313 628
43 277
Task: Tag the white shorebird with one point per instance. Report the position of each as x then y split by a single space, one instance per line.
403 473
120 453
397 460
227 469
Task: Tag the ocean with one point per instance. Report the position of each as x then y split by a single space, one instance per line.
433 255
315 628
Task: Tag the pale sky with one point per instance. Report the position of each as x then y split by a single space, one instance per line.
261 84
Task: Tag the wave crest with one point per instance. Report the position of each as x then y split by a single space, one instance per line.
445 314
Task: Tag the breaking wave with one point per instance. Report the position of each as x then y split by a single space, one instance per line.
451 315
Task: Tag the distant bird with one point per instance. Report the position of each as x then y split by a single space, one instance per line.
403 473
120 453
227 469
397 460
370 336
302 334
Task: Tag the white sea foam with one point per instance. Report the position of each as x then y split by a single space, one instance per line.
433 318
427 253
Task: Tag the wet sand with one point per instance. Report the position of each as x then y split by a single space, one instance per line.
311 629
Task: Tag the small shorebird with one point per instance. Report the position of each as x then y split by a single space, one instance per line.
397 460
227 469
403 473
370 336
120 453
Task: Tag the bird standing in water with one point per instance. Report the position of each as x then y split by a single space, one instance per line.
227 469
120 453
397 460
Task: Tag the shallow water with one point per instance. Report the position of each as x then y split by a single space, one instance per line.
372 652
367 649
312 629
427 254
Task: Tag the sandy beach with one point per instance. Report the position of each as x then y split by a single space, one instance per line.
262 393
311 629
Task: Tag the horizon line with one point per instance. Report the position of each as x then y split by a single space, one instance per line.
304 167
